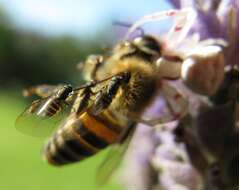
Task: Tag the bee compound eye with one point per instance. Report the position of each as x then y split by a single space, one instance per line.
148 44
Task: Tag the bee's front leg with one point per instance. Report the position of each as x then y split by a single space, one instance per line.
105 97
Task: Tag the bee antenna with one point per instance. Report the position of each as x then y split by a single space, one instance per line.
128 25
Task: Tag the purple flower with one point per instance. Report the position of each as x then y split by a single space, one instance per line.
156 160
138 173
217 19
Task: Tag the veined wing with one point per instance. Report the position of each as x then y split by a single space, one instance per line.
32 123
115 156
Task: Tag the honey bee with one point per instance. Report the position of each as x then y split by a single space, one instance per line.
105 111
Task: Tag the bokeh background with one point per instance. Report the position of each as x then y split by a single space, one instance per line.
41 41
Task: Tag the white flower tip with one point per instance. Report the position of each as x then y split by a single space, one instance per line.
203 70
168 68
206 51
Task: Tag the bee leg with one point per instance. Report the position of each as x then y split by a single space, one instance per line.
105 97
91 66
98 61
42 91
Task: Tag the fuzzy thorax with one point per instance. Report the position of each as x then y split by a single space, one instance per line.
137 94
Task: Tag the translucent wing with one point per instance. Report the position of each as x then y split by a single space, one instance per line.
43 115
30 123
43 90
94 95
115 156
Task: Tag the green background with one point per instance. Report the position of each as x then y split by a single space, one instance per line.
21 166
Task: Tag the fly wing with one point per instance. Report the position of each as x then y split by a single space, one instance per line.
43 90
38 126
115 156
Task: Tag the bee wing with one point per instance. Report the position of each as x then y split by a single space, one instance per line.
84 99
90 95
31 124
115 156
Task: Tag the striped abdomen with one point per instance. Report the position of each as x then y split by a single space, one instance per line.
49 108
81 137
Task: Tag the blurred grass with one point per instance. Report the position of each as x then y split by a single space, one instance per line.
21 166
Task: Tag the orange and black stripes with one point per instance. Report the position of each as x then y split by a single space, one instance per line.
79 138
87 137
98 128
109 121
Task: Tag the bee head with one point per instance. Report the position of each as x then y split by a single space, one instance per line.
148 45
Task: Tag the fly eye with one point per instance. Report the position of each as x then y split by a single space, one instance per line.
64 91
69 89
